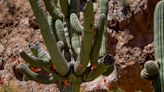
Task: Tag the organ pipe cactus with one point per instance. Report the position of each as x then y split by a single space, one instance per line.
74 53
154 70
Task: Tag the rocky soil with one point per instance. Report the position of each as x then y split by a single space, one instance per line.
130 41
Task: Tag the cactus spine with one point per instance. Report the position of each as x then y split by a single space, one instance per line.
154 70
67 60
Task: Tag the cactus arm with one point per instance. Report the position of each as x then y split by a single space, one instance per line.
51 22
38 51
52 9
60 30
159 39
67 33
49 39
155 70
37 77
111 68
34 61
144 75
156 84
105 63
65 7
109 71
88 16
103 7
61 45
74 6
103 49
75 23
150 71
34 51
98 40
152 68
87 37
89 76
75 43
103 10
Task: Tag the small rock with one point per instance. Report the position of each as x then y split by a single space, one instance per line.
1 48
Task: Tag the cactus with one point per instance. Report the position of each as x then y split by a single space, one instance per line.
74 53
153 70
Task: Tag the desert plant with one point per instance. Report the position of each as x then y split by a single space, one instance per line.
74 55
153 70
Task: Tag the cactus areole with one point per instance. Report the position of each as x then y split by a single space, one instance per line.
73 54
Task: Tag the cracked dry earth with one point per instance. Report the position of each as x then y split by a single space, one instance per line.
130 41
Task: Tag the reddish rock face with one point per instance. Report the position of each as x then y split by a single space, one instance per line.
133 43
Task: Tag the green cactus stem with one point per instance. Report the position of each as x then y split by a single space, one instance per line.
71 84
34 61
53 10
51 22
98 40
75 43
110 69
154 70
103 48
74 6
104 64
49 38
39 52
150 71
65 7
60 30
37 77
144 74
87 37
159 39
61 45
103 7
73 54
75 23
